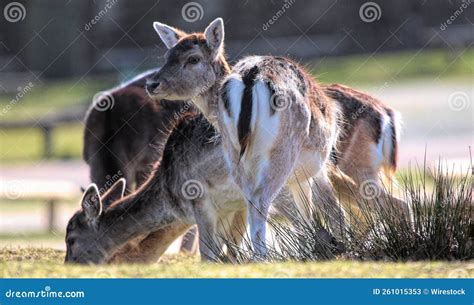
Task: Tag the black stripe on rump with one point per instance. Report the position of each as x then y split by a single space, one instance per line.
243 126
394 148
225 97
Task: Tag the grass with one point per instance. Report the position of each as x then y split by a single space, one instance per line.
437 225
41 262
386 67
435 242
26 145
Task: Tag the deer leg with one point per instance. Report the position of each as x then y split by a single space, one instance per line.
257 218
238 227
303 196
330 206
206 219
190 243
232 229
150 248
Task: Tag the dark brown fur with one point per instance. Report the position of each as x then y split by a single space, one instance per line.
128 138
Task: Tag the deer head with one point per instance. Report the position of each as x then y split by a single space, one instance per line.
83 227
194 62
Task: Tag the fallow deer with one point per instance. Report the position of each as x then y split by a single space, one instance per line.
278 124
124 135
115 138
188 186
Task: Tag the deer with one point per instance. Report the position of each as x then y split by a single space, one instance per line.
278 125
115 138
124 135
186 187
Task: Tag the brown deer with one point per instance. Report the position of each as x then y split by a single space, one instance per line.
116 140
124 135
278 125
188 186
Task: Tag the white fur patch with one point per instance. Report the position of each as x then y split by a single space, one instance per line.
235 89
382 148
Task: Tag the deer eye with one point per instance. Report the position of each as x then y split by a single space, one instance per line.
193 60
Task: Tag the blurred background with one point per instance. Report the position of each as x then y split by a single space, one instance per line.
416 55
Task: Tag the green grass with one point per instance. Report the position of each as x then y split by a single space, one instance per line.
52 96
41 262
400 66
26 145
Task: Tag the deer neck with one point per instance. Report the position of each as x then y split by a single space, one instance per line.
148 209
208 100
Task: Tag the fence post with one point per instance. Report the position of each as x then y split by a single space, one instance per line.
47 141
51 214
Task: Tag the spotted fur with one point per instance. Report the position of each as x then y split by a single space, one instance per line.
266 147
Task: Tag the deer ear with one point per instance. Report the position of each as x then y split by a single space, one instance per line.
114 193
214 34
91 204
168 34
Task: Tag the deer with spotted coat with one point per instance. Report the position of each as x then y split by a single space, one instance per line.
278 125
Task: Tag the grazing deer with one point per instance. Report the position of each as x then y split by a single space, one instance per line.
188 186
278 125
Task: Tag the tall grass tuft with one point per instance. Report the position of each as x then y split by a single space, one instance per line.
440 226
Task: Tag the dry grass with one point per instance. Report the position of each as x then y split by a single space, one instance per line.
42 262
